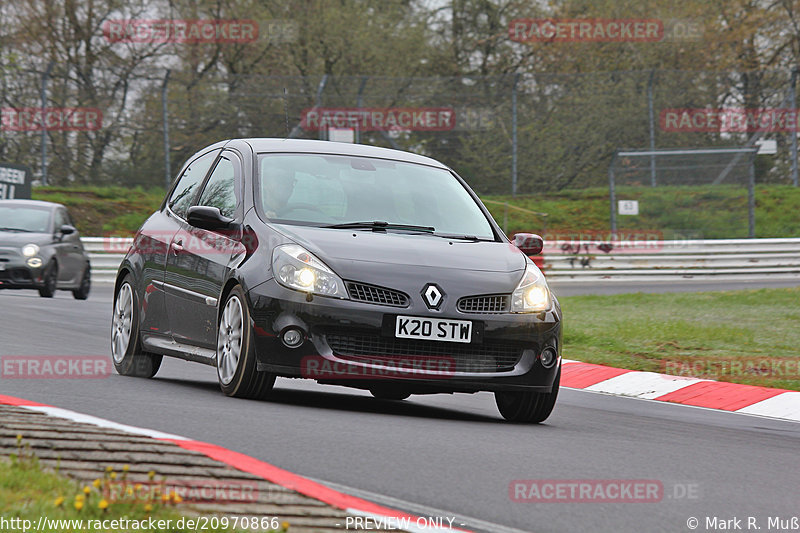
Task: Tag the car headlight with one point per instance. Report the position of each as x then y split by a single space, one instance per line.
29 250
532 295
297 268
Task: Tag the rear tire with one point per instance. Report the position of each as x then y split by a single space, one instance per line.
126 349
50 281
82 292
236 353
528 407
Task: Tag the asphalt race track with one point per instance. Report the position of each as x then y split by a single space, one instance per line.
443 455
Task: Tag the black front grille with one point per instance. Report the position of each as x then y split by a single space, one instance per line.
493 303
376 295
487 357
18 275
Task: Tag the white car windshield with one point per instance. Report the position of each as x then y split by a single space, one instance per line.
335 190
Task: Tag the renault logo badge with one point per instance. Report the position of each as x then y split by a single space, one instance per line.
433 296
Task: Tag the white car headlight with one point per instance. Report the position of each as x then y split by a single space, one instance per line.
297 268
532 295
29 250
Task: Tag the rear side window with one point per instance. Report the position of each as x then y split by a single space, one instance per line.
220 191
189 183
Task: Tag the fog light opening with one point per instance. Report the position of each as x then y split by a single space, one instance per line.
292 337
548 357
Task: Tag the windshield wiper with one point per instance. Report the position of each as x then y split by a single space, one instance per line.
380 225
462 237
15 229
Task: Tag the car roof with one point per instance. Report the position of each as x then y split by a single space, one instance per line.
30 203
260 145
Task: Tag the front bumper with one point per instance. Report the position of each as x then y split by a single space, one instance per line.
16 274
352 343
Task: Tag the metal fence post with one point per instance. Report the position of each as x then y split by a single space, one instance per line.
43 94
751 197
793 105
514 135
612 194
652 127
165 118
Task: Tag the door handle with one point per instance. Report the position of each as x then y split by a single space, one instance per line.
177 247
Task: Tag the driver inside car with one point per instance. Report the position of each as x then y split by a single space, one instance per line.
277 186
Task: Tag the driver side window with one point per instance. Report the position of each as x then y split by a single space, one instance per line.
186 190
220 191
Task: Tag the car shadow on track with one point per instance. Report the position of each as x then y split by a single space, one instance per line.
341 401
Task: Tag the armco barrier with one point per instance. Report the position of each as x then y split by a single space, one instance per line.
588 260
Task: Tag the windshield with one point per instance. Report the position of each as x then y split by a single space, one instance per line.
327 190
18 218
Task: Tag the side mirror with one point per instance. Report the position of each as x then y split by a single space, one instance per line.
529 243
66 229
205 217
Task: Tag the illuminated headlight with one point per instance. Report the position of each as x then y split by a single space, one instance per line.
29 250
296 268
34 262
532 295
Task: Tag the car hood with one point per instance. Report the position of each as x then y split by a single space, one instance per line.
14 239
342 249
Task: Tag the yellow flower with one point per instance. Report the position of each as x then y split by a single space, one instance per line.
59 501
97 483
126 468
87 489
79 497
129 491
151 475
285 526
109 469
78 505
113 475
165 498
103 504
176 498
19 439
148 508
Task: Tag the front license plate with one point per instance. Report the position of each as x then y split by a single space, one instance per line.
433 329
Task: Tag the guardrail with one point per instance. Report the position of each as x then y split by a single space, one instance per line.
588 260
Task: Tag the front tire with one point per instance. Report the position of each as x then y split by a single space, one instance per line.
528 407
50 282
236 354
126 351
82 292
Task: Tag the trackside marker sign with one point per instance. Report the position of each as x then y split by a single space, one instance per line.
15 182
379 118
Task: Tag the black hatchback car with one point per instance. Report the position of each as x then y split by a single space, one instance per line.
347 264
41 249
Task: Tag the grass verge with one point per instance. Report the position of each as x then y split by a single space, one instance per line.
700 212
749 336
29 492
